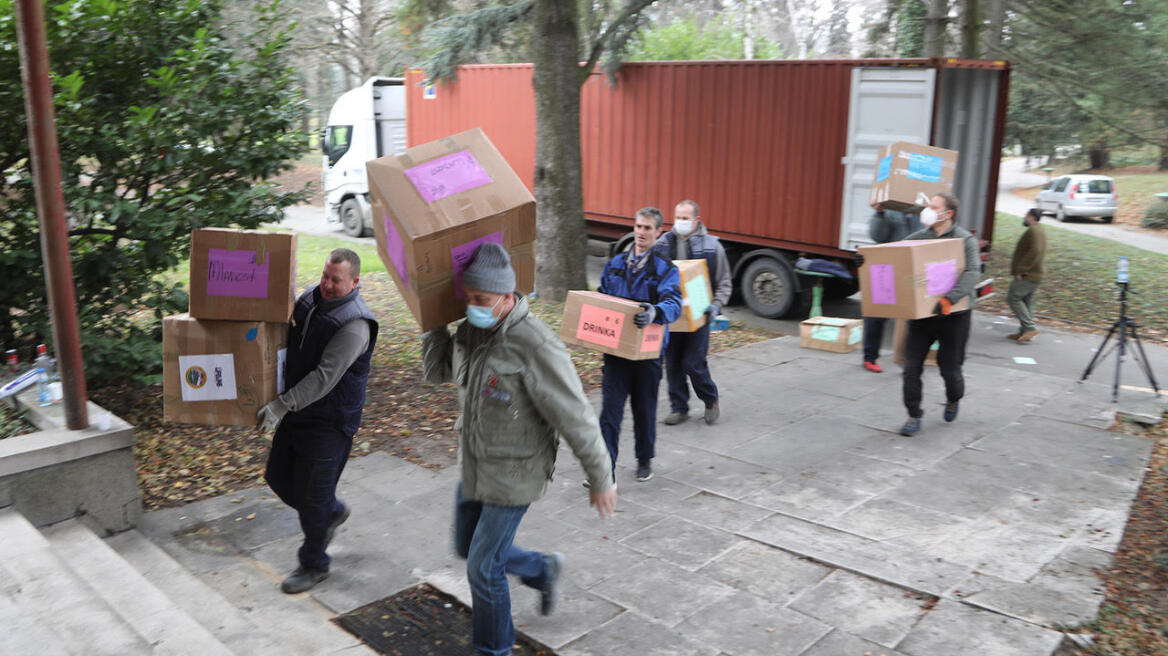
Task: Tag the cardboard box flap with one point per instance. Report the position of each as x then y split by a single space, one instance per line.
446 183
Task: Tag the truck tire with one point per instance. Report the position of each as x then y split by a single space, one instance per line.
768 287
352 218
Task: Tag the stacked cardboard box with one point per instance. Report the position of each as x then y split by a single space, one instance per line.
904 279
909 174
605 323
831 334
696 295
223 360
433 205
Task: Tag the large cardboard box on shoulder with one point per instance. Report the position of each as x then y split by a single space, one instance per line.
909 174
696 295
605 323
905 279
243 275
433 205
220 373
831 334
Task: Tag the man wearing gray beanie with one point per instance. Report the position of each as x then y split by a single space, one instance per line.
519 392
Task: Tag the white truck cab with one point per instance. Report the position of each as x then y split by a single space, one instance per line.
365 123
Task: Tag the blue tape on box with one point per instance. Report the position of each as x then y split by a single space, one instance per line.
924 167
884 168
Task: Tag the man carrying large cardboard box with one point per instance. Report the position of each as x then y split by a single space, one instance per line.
330 345
641 275
950 329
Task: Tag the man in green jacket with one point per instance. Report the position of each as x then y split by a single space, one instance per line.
519 392
1027 268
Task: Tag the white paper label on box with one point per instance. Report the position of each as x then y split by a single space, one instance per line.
856 335
207 377
281 358
825 333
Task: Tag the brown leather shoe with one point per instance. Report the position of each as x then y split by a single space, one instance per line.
1014 336
1027 336
675 418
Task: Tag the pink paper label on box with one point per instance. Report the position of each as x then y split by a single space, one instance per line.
235 273
395 249
940 277
447 176
460 256
651 341
600 326
882 283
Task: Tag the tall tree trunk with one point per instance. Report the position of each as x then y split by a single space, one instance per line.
561 242
935 21
995 15
971 29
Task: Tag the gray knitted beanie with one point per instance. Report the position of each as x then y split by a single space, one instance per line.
490 270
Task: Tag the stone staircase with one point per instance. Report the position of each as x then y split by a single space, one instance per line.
64 590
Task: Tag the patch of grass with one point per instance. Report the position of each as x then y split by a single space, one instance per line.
1079 284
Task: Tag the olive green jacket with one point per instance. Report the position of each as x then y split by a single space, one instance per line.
519 393
1030 254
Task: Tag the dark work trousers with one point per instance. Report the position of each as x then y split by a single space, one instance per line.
873 337
636 380
304 465
952 332
685 357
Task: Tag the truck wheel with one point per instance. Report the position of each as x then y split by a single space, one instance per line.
352 219
768 287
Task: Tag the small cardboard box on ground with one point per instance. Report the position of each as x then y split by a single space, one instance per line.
433 205
831 334
909 174
220 373
605 323
904 279
243 275
696 295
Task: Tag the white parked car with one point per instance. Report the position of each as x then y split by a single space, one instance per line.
1079 195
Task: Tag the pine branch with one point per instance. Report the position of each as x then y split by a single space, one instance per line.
456 39
617 31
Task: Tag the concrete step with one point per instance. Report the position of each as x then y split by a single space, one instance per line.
167 628
226 622
24 633
54 600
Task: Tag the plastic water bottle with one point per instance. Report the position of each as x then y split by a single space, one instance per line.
44 393
1121 273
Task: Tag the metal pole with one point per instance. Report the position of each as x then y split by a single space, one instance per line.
46 166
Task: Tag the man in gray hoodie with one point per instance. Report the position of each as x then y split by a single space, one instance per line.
519 393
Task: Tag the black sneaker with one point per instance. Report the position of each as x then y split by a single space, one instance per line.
341 519
551 585
644 472
951 411
303 579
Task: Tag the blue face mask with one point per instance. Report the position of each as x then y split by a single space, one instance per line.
481 316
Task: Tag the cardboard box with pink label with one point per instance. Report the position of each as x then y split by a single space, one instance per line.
905 279
243 275
605 323
433 205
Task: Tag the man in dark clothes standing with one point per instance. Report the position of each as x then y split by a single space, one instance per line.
330 344
1027 268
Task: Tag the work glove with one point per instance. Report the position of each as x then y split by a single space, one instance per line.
713 311
646 316
859 260
271 415
943 306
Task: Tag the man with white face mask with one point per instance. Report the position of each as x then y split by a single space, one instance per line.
519 392
950 329
685 356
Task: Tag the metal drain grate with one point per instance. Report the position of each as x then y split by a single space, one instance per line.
421 621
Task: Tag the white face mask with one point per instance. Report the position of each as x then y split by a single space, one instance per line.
683 226
928 217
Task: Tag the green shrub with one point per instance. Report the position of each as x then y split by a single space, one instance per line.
1156 215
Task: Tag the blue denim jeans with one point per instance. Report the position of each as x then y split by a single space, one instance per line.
483 535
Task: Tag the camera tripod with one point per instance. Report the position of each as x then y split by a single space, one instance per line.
1125 326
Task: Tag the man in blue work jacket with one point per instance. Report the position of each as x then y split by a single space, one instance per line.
645 276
